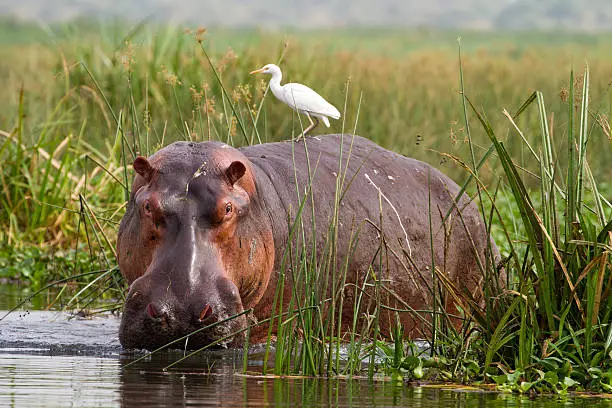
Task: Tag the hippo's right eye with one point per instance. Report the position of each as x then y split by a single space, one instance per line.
147 207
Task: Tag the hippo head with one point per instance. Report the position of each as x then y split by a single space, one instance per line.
194 245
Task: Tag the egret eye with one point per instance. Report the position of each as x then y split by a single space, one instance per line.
228 208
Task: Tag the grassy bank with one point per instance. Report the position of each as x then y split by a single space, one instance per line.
80 107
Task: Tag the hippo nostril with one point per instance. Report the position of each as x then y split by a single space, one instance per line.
152 311
206 312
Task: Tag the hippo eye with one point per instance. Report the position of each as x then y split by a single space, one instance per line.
228 208
147 207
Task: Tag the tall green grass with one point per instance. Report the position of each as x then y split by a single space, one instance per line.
553 323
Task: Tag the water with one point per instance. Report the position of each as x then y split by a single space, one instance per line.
50 359
12 294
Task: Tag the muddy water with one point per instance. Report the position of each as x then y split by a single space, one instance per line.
50 359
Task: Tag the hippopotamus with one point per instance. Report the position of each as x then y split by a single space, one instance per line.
207 228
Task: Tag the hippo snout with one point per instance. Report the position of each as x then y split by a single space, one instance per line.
155 315
160 313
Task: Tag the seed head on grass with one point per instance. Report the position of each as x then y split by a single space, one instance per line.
146 118
260 88
452 133
170 77
578 84
604 122
242 93
233 124
126 56
209 106
236 95
229 57
196 96
198 34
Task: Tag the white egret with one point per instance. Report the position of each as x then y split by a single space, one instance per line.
300 98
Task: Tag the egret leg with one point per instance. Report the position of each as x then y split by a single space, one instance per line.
309 128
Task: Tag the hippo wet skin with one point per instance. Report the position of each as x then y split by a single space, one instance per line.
207 226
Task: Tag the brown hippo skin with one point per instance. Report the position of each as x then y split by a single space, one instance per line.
206 227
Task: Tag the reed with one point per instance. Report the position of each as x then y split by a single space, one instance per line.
550 328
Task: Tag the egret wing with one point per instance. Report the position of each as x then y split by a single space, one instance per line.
302 98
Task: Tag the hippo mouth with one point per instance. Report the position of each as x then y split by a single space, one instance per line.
166 329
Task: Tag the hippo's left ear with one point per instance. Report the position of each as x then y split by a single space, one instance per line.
235 171
143 167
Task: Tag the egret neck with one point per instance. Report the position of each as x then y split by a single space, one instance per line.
275 85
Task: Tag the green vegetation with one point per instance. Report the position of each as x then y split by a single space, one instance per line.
77 112
554 330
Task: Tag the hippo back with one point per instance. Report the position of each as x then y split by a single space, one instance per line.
388 208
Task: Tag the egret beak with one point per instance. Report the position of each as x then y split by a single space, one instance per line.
257 71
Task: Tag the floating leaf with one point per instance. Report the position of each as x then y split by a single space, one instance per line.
568 382
472 367
551 377
514 377
411 362
418 372
525 386
500 379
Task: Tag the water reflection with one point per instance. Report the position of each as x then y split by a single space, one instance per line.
13 294
56 381
214 379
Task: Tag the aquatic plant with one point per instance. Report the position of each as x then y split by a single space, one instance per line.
550 328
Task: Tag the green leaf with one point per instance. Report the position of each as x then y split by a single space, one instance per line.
597 358
500 379
472 367
525 386
566 369
418 372
389 352
397 376
549 363
515 376
411 362
551 377
595 372
569 382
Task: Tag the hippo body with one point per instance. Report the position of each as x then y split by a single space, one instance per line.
207 226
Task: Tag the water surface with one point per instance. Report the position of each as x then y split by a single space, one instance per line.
55 360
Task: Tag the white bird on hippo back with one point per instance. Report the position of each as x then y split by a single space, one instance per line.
300 98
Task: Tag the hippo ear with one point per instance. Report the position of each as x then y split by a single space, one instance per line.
143 167
235 171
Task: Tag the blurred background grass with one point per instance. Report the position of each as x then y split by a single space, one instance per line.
408 80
